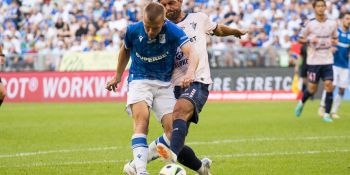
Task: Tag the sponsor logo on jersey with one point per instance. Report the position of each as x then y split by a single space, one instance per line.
181 63
193 39
152 59
179 54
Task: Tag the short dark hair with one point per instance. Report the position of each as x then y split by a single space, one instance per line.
315 2
342 15
154 10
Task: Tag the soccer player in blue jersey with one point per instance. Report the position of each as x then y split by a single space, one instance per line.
152 45
321 36
340 67
2 88
192 99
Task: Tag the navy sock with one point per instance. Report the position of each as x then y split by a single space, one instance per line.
303 88
178 135
306 96
188 158
329 102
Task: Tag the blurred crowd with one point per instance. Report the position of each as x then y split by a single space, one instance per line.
57 26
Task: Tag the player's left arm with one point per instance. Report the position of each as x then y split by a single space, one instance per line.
223 30
193 60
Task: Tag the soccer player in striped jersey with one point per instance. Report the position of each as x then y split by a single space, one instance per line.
2 88
321 35
340 67
152 45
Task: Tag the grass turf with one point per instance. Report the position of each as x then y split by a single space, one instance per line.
240 137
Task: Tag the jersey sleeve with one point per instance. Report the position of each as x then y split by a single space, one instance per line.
208 25
127 38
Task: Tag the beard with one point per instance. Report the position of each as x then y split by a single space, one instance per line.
174 15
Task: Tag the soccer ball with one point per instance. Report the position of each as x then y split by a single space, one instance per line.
172 169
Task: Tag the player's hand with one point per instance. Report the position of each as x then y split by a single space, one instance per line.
113 83
187 81
333 49
314 41
240 33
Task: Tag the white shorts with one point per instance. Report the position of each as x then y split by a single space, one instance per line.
340 77
158 95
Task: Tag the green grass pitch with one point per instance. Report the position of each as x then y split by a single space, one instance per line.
242 138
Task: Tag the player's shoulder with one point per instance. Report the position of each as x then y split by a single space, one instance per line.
310 21
135 27
172 27
332 22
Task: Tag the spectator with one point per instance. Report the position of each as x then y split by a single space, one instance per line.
96 25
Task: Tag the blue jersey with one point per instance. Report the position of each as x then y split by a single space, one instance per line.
153 59
341 56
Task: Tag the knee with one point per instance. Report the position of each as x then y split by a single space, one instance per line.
312 90
328 87
183 111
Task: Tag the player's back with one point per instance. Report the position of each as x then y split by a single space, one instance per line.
153 58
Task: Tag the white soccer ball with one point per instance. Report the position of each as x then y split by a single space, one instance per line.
172 169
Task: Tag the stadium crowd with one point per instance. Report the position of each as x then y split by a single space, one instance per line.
57 26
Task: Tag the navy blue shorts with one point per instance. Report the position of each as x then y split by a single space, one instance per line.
317 72
303 71
197 94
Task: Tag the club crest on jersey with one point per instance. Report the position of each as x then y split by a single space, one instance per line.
162 38
140 38
194 25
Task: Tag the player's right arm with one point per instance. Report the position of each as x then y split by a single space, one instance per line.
123 59
193 61
305 36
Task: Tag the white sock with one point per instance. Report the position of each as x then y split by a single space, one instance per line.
323 99
336 103
152 149
140 152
